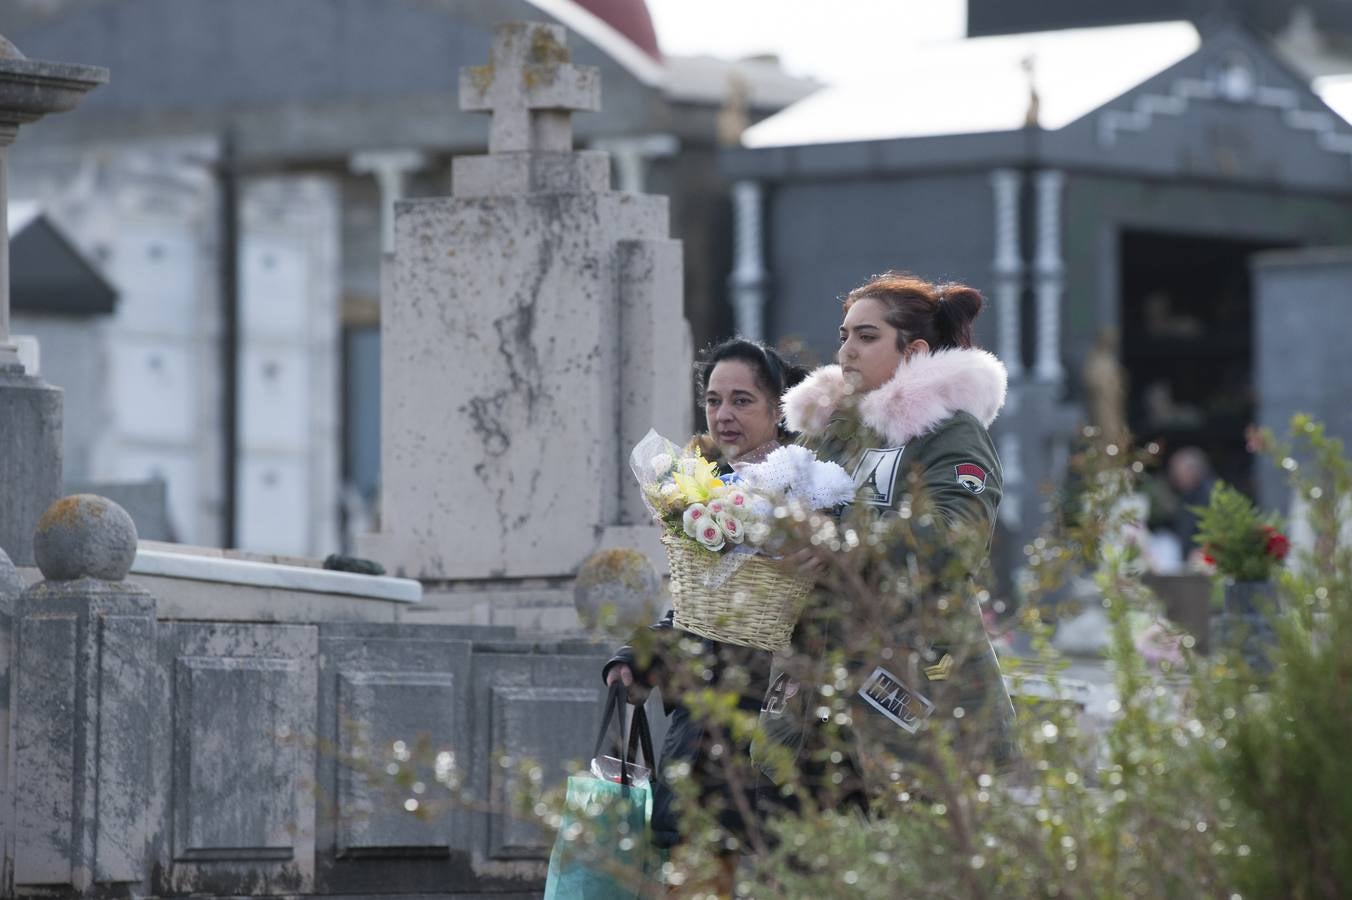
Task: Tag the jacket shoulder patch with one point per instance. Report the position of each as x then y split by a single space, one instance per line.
971 476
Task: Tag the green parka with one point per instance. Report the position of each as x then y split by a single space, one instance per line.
925 430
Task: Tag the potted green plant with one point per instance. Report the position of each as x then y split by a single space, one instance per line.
1246 548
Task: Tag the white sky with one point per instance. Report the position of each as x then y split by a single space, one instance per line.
837 41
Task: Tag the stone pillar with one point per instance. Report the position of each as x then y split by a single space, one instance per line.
30 457
748 272
11 586
9 352
1301 363
1050 272
1008 268
30 411
391 169
531 334
630 156
81 716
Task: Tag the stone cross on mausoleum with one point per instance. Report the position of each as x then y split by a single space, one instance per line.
531 332
531 89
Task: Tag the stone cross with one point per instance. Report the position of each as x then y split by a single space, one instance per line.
531 89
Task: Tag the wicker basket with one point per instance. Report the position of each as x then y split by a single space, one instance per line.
757 606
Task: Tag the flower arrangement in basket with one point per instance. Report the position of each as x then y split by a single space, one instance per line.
726 584
1242 543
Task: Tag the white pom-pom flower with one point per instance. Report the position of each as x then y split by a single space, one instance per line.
662 464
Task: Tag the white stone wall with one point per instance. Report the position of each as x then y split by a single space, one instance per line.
149 213
289 433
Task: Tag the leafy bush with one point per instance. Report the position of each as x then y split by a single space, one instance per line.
1191 781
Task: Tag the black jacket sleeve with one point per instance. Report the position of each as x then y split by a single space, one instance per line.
626 655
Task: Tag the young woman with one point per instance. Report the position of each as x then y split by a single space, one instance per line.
906 410
741 383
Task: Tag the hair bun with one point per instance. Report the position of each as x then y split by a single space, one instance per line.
959 303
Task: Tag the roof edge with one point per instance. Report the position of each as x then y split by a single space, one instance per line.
595 30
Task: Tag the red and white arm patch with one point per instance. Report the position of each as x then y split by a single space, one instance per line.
971 476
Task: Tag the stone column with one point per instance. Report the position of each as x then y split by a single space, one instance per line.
11 586
531 333
81 715
1050 272
631 155
391 169
30 410
1008 268
9 353
748 272
1300 358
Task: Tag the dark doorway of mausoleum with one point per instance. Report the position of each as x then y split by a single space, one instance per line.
1187 344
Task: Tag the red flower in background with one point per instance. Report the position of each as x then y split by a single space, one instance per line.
1277 545
1207 557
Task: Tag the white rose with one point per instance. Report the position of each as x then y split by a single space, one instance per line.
738 501
717 507
661 464
710 535
670 491
696 514
731 526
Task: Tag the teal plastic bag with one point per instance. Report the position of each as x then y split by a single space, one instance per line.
603 851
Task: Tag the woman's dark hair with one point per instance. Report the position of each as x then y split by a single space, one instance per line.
939 314
773 373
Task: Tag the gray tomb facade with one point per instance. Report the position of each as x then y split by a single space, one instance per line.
1140 214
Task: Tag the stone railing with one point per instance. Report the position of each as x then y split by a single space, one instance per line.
201 738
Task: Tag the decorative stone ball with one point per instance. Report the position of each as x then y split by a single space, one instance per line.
11 585
85 536
617 591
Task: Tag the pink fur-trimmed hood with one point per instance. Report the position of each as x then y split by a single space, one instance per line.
926 390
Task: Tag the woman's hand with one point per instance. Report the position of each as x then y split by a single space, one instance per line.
620 672
806 562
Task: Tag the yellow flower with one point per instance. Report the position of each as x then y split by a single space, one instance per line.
697 478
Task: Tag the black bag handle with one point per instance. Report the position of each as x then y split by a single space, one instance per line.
640 734
614 701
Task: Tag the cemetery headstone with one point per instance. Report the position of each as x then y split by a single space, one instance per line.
533 332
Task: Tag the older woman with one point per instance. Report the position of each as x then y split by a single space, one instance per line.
741 383
906 410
